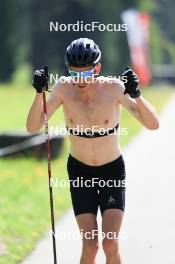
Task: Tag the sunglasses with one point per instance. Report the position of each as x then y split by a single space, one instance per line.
82 74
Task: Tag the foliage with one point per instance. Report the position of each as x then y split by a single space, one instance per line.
26 39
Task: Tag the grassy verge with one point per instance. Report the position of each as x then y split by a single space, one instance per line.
15 103
24 197
24 202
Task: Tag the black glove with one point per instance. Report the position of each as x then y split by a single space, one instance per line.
132 83
40 80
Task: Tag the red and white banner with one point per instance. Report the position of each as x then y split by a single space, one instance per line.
138 41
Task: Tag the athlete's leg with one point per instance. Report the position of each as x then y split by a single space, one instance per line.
112 205
87 224
111 223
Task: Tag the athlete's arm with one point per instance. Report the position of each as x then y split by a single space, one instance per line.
141 109
35 120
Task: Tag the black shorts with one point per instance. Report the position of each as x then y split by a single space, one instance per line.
93 186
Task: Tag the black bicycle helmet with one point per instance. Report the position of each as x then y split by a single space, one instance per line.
82 52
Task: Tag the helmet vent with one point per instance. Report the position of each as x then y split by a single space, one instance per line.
74 46
81 46
87 46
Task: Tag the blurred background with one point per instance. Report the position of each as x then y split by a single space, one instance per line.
26 43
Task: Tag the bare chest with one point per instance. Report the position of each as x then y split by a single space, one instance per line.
99 110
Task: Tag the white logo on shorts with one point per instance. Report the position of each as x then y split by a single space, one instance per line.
111 199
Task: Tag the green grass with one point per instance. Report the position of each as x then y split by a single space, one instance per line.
24 202
15 103
24 197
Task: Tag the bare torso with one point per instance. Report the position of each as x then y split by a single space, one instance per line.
101 109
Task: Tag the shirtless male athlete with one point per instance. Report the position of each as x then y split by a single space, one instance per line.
93 155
